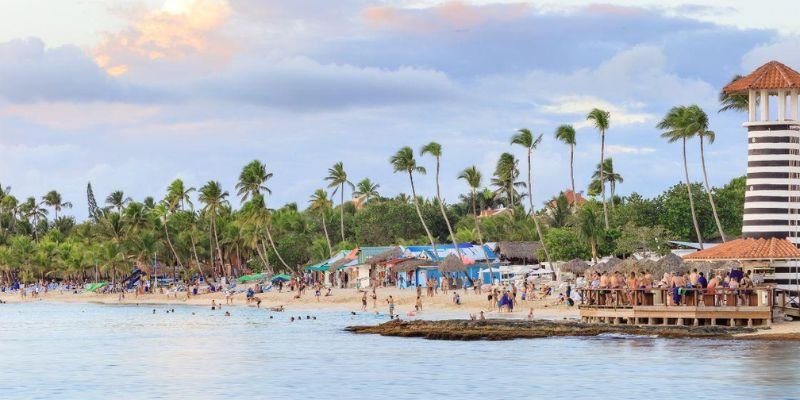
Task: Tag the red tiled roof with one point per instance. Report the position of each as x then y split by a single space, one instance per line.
749 249
772 75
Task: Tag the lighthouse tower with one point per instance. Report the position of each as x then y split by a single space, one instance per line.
772 194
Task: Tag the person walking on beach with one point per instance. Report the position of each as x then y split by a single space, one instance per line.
364 302
390 300
418 305
374 299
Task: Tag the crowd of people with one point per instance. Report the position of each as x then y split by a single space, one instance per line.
680 288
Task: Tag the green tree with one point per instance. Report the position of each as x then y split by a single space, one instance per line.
590 227
367 189
118 200
566 244
319 203
734 101
215 200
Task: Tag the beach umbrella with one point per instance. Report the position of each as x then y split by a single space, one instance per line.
281 278
670 263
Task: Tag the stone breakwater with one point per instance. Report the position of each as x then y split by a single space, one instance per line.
515 329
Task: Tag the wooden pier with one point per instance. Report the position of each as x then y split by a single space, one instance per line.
695 307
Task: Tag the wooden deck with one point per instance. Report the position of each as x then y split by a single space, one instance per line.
695 308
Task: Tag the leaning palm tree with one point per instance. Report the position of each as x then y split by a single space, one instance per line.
734 101
366 189
525 138
473 177
698 125
161 213
252 183
118 200
403 161
320 203
53 200
178 193
566 134
337 177
215 200
435 150
601 120
676 127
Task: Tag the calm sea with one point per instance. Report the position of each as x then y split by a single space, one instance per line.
85 351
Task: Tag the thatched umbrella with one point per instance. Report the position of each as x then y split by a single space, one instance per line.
670 263
576 266
607 266
452 263
626 267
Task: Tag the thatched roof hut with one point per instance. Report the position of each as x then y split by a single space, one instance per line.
626 266
411 264
576 266
452 263
394 252
606 266
522 251
670 263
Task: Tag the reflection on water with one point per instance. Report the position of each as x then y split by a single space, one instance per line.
94 351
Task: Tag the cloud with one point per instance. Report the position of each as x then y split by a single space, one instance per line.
30 72
181 37
632 150
579 106
304 84
785 50
446 16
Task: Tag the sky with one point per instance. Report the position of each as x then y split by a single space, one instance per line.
132 94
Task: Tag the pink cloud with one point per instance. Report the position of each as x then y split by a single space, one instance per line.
449 15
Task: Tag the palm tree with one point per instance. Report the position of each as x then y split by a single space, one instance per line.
675 124
33 212
320 203
734 101
253 179
252 182
53 199
435 150
590 228
611 177
505 175
337 177
566 134
699 126
215 200
403 161
473 177
117 200
162 213
525 138
601 120
178 193
366 189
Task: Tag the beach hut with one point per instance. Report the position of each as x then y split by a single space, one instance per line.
522 253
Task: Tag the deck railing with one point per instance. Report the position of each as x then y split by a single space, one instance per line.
719 297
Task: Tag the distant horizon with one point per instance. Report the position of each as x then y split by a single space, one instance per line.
130 95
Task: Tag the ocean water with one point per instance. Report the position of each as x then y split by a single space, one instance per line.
90 351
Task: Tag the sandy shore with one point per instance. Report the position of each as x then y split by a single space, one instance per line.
438 306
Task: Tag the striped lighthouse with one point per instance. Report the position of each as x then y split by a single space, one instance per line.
772 194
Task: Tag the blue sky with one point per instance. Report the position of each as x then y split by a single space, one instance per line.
132 94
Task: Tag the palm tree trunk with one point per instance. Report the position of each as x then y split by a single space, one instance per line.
327 238
602 178
262 257
533 212
419 214
216 239
194 250
266 259
708 190
341 211
169 241
572 174
480 236
691 200
444 212
594 251
275 248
